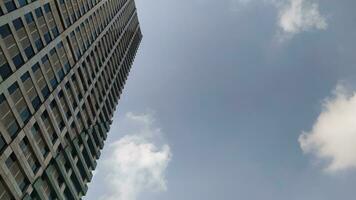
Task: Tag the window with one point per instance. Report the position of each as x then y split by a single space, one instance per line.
5 71
2 143
4 191
7 118
19 102
49 71
13 166
18 61
54 82
45 92
29 52
5 31
37 135
76 183
39 44
29 154
10 161
23 184
40 80
57 115
49 127
13 88
70 95
18 23
10 5
30 90
81 170
47 37
47 8
25 114
55 31
38 12
34 195
22 2
48 190
25 77
35 67
52 51
64 104
29 18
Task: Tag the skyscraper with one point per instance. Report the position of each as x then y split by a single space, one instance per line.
63 65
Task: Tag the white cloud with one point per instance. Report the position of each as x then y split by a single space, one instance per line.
294 16
333 136
136 162
301 15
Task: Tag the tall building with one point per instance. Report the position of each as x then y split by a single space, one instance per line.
63 65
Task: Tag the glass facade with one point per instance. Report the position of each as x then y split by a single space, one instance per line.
63 65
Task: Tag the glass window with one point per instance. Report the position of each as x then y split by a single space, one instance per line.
47 8
10 5
8 119
34 195
25 114
18 23
23 184
47 37
54 82
29 88
52 51
22 2
2 143
49 127
5 31
35 67
36 102
13 88
29 18
18 60
13 165
17 97
5 71
38 12
55 31
39 140
10 160
45 92
25 77
13 128
29 52
39 44
29 154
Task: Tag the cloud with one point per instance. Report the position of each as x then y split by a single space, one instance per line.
333 136
301 15
136 162
294 16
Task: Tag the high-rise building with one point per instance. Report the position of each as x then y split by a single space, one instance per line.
63 65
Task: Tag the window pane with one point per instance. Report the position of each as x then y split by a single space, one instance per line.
5 71
18 61
2 143
10 6
5 31
22 2
18 23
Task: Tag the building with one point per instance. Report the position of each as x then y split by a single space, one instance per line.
63 65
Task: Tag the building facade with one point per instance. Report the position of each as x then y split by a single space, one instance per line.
63 65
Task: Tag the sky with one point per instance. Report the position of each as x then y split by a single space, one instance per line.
236 99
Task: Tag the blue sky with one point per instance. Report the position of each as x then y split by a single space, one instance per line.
236 99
